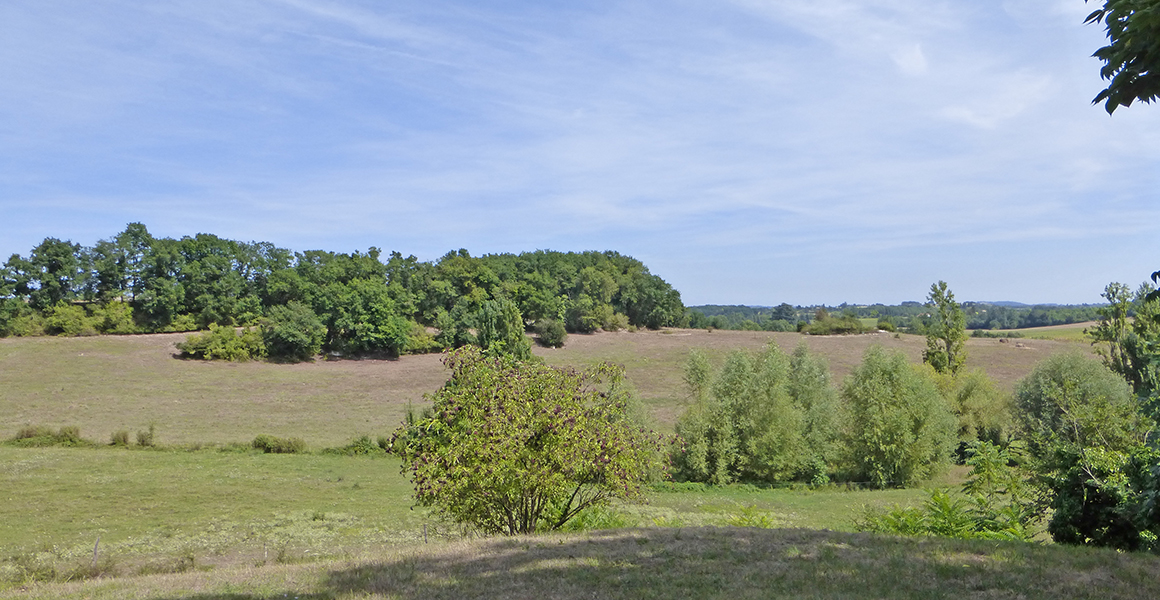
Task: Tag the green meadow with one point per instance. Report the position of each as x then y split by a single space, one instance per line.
202 515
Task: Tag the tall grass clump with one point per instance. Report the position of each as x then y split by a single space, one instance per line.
39 436
276 445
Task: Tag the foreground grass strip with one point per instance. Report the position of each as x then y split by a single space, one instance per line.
669 563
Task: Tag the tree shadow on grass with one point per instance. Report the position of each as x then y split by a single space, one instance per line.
737 563
749 563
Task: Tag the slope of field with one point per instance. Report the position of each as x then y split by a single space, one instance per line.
668 563
154 509
111 383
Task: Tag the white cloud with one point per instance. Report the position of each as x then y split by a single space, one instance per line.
802 136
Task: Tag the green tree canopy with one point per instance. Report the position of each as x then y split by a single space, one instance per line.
946 333
901 429
1132 56
517 447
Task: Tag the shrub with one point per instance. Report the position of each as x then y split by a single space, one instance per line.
1086 430
550 333
984 411
902 430
518 447
826 324
1070 401
147 437
995 504
765 417
223 343
501 329
420 341
360 446
276 445
68 319
35 436
615 322
293 332
114 318
119 438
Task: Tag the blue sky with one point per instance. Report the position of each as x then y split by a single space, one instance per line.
748 152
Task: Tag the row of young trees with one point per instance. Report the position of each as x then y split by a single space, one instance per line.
363 302
1074 446
771 417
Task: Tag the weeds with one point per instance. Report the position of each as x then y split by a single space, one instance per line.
276 445
39 436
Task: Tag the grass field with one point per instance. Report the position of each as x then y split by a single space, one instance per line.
182 512
706 562
1073 332
155 509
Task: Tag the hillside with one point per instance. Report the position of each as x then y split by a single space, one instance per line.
110 383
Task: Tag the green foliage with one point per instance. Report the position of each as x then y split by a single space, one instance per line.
119 438
39 436
361 319
1104 497
1129 346
901 429
420 341
1132 56
137 283
113 317
147 438
823 414
68 319
293 332
826 324
517 447
946 332
361 446
275 445
984 412
1087 433
550 333
501 330
1070 402
223 343
764 417
995 504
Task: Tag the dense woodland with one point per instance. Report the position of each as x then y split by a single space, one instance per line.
363 302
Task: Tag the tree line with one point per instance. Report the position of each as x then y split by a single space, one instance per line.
911 317
359 302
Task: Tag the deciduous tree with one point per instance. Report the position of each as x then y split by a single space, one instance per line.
1132 56
515 447
946 333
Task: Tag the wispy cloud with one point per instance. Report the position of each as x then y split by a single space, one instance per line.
912 138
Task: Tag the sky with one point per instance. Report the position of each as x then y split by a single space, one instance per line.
748 152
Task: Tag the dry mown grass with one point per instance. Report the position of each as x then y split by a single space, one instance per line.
669 563
112 383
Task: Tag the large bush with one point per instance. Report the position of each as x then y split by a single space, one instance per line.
1070 401
764 418
293 332
1087 432
901 429
223 343
550 333
518 447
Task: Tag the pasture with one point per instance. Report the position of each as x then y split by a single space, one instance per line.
113 383
204 502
